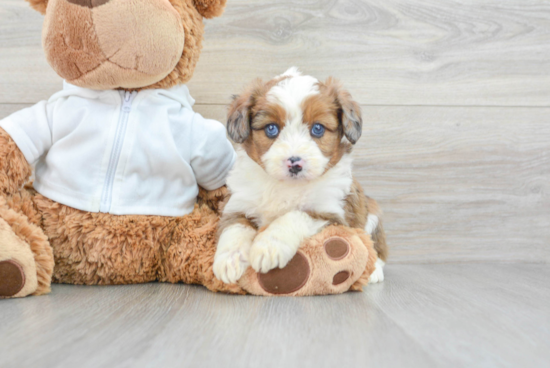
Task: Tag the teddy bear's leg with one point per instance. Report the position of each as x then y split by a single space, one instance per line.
26 259
189 251
334 261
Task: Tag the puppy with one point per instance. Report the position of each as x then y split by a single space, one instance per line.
293 174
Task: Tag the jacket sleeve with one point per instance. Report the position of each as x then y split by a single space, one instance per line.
30 128
212 155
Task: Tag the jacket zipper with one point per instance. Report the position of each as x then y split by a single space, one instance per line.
107 194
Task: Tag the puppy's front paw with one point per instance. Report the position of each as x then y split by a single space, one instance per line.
229 266
378 274
269 252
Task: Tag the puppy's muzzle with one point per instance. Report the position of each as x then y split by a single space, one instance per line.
294 165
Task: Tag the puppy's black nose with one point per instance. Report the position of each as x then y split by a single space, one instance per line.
295 169
89 3
294 165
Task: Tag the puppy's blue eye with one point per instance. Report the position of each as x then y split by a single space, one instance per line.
317 130
271 130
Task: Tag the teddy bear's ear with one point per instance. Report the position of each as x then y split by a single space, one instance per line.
39 5
210 8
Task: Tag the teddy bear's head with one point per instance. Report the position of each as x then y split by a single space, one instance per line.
128 44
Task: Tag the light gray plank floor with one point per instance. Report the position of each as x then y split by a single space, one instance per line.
446 315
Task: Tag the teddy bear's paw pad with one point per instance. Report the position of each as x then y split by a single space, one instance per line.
286 280
12 278
337 248
340 277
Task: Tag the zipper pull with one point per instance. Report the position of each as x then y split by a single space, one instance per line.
126 105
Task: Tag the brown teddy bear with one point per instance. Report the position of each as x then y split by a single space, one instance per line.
128 179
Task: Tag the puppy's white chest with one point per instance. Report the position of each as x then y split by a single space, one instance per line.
265 199
268 205
275 203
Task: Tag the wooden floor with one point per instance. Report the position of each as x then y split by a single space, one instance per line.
444 315
456 149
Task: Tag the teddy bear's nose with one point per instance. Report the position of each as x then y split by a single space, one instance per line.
89 3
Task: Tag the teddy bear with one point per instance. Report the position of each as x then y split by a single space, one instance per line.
128 181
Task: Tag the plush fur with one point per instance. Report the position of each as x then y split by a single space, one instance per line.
98 248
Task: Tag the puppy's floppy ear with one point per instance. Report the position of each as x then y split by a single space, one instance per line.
210 8
39 5
350 111
239 115
238 118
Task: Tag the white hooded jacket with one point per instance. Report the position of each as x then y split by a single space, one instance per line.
123 153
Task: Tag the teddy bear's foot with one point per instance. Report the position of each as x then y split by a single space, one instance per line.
18 276
329 263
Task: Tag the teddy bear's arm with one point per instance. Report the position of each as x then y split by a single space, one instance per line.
212 155
14 168
215 199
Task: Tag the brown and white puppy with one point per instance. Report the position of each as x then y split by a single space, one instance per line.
293 174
